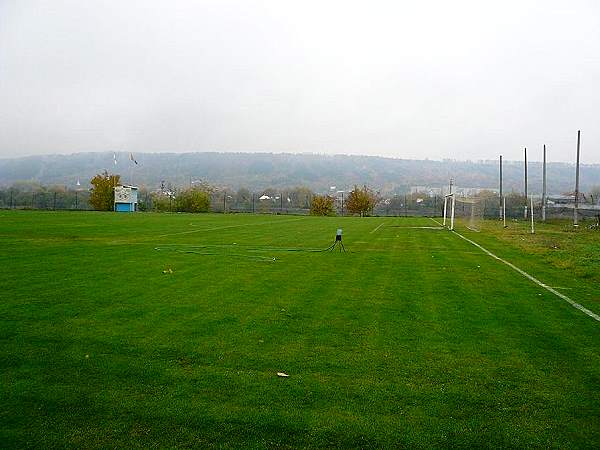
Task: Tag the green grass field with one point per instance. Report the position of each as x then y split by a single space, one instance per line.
413 338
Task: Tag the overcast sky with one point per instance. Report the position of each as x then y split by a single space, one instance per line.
409 79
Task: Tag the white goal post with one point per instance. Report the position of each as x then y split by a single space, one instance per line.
452 208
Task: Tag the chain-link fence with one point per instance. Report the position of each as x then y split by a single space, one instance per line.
285 203
45 200
516 207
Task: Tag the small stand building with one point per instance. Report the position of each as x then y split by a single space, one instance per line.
126 198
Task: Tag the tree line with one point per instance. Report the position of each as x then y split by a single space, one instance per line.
198 198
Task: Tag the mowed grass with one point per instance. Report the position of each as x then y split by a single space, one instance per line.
413 338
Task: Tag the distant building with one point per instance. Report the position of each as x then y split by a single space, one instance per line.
126 198
473 191
440 191
430 191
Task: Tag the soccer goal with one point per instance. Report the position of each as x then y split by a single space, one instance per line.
470 209
449 204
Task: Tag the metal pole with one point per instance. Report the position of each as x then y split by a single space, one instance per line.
526 195
54 202
575 210
11 198
342 203
224 201
76 206
532 224
504 210
501 194
252 203
281 203
113 192
544 187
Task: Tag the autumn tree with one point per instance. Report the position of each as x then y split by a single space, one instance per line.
322 205
361 201
102 193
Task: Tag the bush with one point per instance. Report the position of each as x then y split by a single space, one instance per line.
361 201
193 200
162 202
322 205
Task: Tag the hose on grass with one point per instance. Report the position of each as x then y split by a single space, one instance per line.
222 250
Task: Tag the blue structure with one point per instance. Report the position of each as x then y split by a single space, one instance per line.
126 198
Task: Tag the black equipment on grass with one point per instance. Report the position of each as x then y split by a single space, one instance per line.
338 238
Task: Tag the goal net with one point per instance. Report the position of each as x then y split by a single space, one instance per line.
470 211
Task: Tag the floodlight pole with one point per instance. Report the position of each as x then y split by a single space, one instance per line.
504 210
576 209
501 195
526 195
532 223
544 187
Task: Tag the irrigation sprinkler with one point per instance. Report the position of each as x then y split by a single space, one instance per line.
338 239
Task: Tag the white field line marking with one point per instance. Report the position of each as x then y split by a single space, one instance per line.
573 303
378 227
228 226
422 228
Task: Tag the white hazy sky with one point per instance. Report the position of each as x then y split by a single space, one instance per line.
409 79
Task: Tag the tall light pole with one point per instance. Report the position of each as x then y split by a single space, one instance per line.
501 193
544 187
526 196
575 210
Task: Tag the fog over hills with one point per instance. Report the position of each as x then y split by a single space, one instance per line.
258 171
